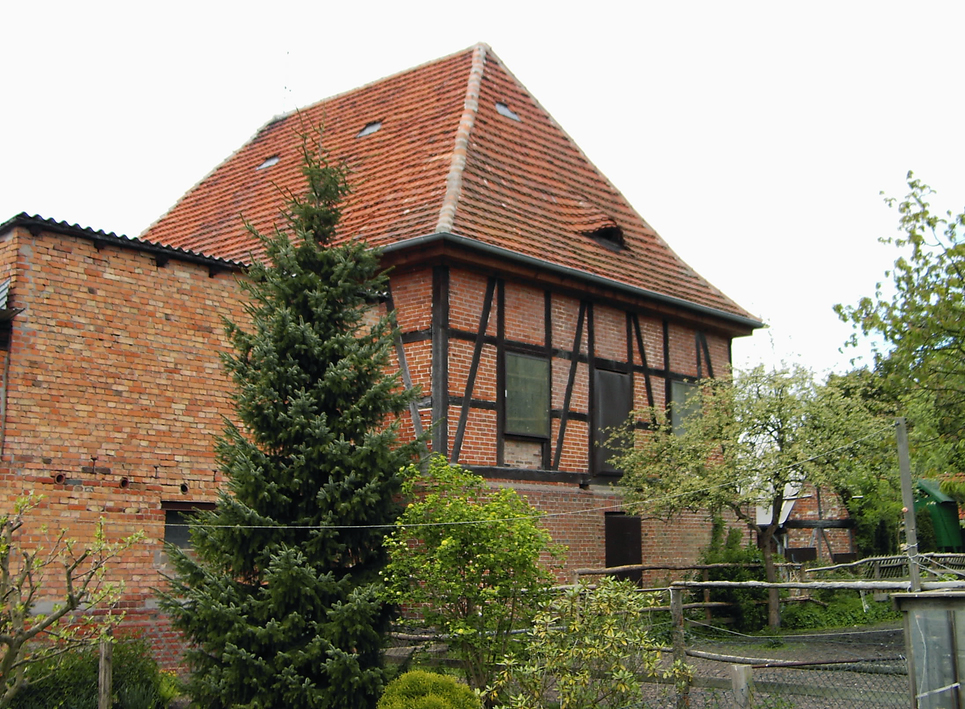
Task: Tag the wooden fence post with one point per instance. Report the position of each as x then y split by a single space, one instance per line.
105 679
679 649
742 683
708 615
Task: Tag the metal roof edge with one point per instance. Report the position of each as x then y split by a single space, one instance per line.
100 237
428 239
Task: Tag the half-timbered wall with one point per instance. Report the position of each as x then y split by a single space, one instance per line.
458 352
479 320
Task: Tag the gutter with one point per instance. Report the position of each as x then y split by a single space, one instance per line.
567 272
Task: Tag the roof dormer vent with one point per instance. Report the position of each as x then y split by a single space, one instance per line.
369 129
610 236
503 110
273 160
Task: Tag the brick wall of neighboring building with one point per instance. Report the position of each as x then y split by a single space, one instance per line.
114 394
825 541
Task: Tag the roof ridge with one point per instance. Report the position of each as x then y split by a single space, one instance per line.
460 150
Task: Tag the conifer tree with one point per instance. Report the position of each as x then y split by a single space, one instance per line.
279 596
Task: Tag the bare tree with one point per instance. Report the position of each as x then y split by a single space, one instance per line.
27 575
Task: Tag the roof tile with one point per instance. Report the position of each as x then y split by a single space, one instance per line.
445 159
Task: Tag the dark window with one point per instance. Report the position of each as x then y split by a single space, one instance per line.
527 395
685 403
612 403
624 544
176 529
176 518
610 236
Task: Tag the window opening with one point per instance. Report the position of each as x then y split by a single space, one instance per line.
527 395
612 401
369 129
684 403
610 236
177 516
503 110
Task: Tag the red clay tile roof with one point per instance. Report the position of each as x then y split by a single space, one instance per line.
444 160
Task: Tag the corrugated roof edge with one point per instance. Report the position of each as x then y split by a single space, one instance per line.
101 237
466 242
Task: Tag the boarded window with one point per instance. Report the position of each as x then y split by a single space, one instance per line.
612 402
527 395
624 545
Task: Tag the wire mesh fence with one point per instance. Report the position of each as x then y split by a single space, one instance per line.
859 668
853 668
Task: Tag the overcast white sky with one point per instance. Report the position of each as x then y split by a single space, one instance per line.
755 137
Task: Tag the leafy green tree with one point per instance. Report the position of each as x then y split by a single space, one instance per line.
917 327
589 647
279 597
30 640
468 556
754 440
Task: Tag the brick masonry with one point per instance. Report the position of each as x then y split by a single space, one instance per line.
115 392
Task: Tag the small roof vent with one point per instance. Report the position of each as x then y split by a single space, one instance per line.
369 129
503 110
610 236
273 160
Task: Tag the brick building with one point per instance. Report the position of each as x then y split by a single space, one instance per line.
537 308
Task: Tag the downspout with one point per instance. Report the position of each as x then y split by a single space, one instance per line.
3 401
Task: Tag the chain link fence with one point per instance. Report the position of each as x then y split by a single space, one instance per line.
853 668
856 668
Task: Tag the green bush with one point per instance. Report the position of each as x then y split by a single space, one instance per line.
69 681
468 556
748 611
589 647
427 690
843 609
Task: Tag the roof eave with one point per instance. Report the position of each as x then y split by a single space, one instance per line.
37 224
443 238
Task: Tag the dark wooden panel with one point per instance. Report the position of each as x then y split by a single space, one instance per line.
440 358
624 544
612 403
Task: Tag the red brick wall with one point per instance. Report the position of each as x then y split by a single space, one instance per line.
115 384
